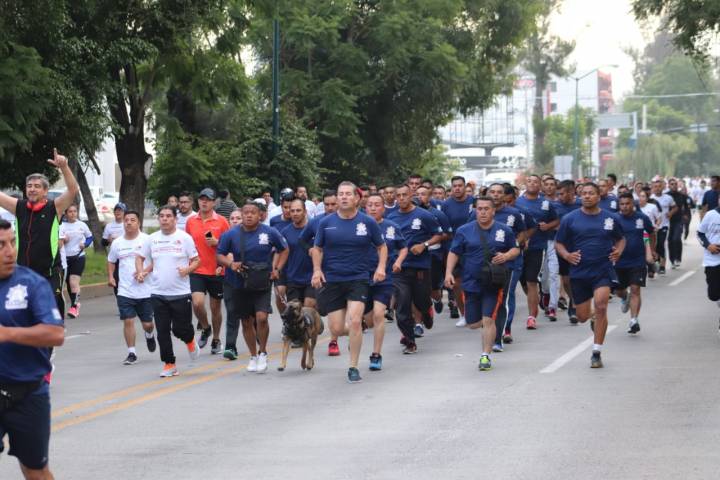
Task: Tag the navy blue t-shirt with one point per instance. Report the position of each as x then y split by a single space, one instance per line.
710 198
395 242
609 203
310 231
594 236
513 218
468 245
563 209
439 250
634 226
298 269
457 212
542 211
259 245
345 244
279 222
27 300
389 210
418 226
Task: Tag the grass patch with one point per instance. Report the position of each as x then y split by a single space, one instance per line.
95 267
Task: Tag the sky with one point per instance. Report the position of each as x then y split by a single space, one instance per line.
601 29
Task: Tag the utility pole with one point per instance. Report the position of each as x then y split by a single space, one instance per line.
276 86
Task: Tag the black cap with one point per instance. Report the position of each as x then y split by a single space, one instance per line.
207 192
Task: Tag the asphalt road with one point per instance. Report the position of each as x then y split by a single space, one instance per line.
652 412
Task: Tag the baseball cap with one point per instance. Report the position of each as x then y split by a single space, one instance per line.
121 206
287 194
207 192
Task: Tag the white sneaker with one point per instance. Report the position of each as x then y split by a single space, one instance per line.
252 364
193 350
461 323
262 363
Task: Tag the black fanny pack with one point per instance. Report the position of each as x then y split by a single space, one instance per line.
13 393
492 275
256 275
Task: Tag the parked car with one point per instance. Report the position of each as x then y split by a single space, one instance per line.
105 206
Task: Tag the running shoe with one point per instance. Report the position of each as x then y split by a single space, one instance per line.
595 360
419 332
375 362
531 323
438 305
204 337
262 363
625 304
562 303
169 370
485 363
454 312
661 270
572 316
552 315
193 350
252 364
497 348
74 311
410 348
151 343
390 315
428 320
354 375
461 323
634 327
333 349
230 353
131 359
216 347
507 336
544 300
675 265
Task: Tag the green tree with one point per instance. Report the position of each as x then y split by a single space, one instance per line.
655 154
560 134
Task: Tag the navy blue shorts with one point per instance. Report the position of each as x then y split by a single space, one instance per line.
135 308
379 293
482 304
27 426
584 288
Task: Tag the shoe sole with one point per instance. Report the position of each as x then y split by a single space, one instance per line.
174 374
531 327
408 352
230 356
596 365
129 363
354 381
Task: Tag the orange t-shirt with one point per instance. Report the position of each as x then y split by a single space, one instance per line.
197 228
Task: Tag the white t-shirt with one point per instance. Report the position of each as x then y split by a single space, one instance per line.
124 251
710 226
182 219
652 212
666 203
113 230
74 235
168 253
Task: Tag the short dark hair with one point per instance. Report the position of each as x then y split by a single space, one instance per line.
223 193
376 195
626 195
133 212
302 202
496 183
567 184
509 189
612 176
184 193
457 177
441 187
415 175
329 193
484 198
591 184
167 207
4 224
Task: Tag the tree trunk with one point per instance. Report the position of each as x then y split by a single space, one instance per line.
538 126
131 158
93 221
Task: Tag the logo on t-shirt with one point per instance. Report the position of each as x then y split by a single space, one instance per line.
511 220
613 204
390 233
639 223
500 236
361 229
263 239
609 224
416 224
545 205
16 298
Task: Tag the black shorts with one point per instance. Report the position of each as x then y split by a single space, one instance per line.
712 277
282 280
437 273
631 276
583 289
379 293
532 264
210 284
75 265
243 304
27 426
300 292
334 296
563 267
135 308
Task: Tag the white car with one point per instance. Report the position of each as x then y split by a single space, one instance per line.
105 206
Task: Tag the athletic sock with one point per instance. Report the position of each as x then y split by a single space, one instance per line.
149 334
597 347
73 299
131 350
633 321
485 354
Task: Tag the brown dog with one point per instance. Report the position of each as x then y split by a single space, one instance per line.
301 324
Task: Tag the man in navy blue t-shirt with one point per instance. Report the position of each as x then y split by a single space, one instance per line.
30 323
380 294
631 269
567 202
543 213
591 240
298 269
413 283
608 201
340 268
254 247
477 243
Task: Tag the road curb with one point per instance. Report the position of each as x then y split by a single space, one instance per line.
96 290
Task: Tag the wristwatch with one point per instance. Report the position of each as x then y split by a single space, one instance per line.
427 245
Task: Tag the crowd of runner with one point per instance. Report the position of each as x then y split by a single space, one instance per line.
360 256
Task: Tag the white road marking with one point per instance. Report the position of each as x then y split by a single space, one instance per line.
577 350
682 278
84 334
